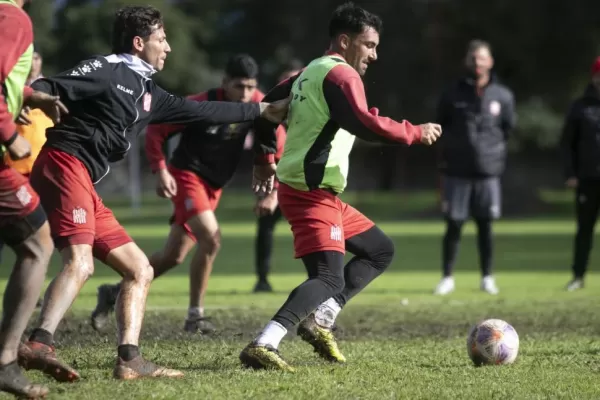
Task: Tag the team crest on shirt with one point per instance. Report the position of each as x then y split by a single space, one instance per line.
495 108
79 215
147 102
24 196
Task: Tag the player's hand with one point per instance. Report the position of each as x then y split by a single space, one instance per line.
166 186
263 177
276 111
266 205
430 133
19 148
50 105
23 118
572 182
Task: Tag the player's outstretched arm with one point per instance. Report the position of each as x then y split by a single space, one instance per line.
168 108
345 95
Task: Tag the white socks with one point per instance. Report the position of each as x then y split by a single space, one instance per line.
195 313
271 335
327 312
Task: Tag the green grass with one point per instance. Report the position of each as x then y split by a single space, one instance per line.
400 341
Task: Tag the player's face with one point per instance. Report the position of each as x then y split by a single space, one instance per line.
36 65
155 48
239 89
361 50
479 62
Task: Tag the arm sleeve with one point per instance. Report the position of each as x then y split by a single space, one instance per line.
345 95
16 34
169 108
509 116
570 134
265 140
89 78
157 134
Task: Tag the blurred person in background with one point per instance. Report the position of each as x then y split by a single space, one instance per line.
31 125
267 207
477 115
581 151
203 163
23 223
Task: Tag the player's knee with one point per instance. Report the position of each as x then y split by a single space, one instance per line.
384 253
334 280
210 243
38 247
78 261
142 272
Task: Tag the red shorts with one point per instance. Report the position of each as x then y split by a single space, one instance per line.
17 197
193 197
76 213
320 221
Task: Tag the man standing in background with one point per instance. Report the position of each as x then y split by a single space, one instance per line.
476 114
581 151
267 207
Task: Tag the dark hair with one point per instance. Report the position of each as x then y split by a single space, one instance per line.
352 19
132 21
241 66
477 44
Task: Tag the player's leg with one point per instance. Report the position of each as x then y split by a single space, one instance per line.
373 252
178 244
66 192
587 204
316 220
264 249
208 237
455 206
125 257
25 230
486 207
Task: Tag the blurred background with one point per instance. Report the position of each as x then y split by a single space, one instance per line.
543 51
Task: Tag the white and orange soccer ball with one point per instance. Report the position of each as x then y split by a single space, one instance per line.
493 342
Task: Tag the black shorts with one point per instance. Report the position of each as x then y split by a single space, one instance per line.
19 230
475 197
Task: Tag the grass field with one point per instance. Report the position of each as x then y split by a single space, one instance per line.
400 340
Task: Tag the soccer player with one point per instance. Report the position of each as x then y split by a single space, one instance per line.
268 211
581 153
31 124
203 163
112 98
23 224
477 114
327 110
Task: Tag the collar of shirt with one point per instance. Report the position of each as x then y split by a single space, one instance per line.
135 63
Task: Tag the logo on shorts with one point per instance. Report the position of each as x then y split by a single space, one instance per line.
336 233
147 102
495 108
79 215
24 196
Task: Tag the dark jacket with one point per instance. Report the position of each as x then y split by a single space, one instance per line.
112 99
580 140
475 128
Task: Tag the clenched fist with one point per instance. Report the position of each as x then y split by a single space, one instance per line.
430 133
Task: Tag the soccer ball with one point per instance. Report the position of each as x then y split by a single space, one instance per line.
493 342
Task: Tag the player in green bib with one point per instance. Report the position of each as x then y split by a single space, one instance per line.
328 111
